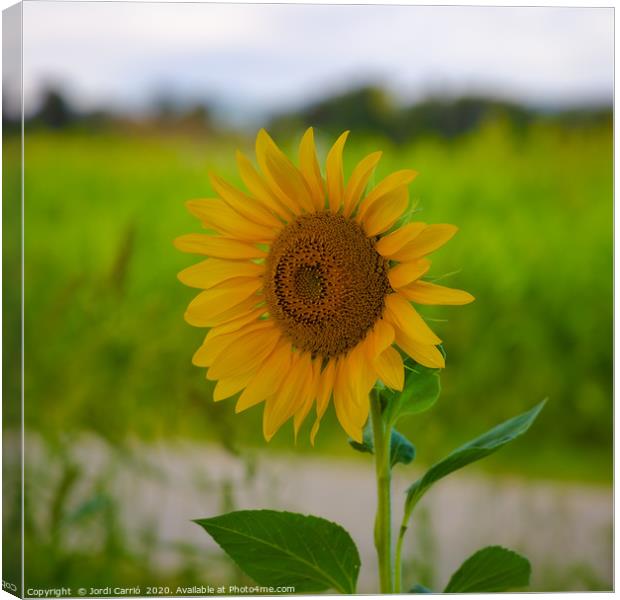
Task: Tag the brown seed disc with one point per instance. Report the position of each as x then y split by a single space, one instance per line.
325 284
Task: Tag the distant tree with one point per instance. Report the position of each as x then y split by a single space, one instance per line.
197 114
585 117
55 110
165 108
369 109
450 118
170 113
11 117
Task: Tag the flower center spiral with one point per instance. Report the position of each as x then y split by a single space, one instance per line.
325 284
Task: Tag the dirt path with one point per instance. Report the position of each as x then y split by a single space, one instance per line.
565 530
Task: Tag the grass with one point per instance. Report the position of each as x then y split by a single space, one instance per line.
107 349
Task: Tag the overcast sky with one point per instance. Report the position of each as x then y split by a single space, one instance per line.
257 58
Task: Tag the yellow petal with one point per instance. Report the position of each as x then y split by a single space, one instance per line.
380 338
358 181
404 273
385 186
259 188
281 407
244 354
243 204
268 378
215 344
424 292
361 371
325 388
233 312
225 388
215 214
406 319
385 211
425 354
270 427
351 408
335 174
342 401
217 247
284 179
211 272
431 238
309 395
389 245
390 368
309 167
277 409
237 322
206 309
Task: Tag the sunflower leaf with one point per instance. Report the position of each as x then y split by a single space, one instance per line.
401 449
366 445
277 548
418 588
479 448
421 390
492 569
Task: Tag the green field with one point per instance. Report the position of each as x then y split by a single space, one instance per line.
107 350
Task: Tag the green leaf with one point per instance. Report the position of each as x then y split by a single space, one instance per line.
420 392
492 569
367 444
418 588
482 446
288 549
401 449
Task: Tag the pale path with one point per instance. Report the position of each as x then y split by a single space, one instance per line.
564 529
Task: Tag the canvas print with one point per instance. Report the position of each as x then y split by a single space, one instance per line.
306 299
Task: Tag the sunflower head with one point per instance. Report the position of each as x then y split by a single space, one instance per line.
307 287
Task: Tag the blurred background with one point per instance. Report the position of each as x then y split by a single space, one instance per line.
507 115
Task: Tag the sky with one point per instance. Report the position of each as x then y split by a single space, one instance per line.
258 59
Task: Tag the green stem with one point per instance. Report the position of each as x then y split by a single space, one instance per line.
383 520
398 576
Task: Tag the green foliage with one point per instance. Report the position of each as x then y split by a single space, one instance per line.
288 549
492 569
487 561
422 389
401 449
367 444
421 560
369 108
479 448
420 589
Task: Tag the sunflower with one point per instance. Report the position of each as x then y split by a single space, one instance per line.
307 288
